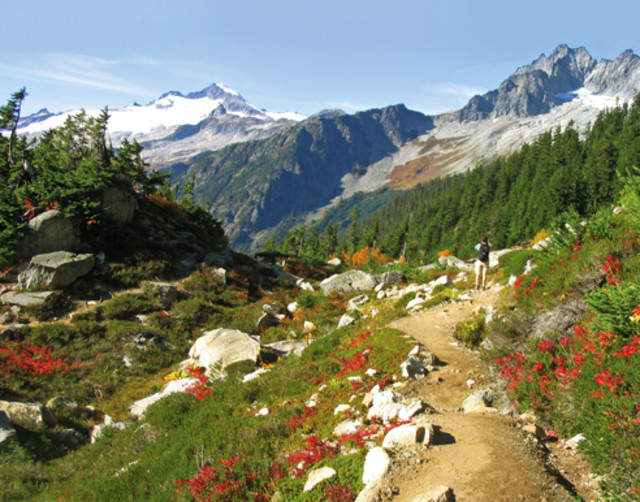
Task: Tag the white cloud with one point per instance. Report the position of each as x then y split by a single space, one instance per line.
79 70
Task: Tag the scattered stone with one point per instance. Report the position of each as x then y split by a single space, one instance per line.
443 280
293 307
347 427
305 285
318 476
266 321
376 465
284 348
273 310
166 293
224 346
357 302
413 368
56 270
334 262
572 444
263 412
345 320
418 300
341 408
389 405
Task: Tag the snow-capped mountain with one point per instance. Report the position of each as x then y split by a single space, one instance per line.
175 127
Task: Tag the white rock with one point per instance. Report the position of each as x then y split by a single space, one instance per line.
345 320
292 307
404 435
318 476
475 404
253 375
347 427
376 465
341 408
470 383
225 345
262 412
573 443
371 372
418 300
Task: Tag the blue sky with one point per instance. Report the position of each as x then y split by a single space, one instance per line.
292 55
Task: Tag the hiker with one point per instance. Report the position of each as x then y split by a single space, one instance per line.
482 261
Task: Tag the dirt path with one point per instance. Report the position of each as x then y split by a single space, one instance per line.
482 457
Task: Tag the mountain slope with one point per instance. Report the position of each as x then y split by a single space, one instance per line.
254 186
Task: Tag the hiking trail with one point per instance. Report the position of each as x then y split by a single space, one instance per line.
480 456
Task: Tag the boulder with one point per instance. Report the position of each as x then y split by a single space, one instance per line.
476 403
49 231
408 435
443 280
226 346
56 270
317 476
119 204
32 416
7 432
167 293
561 320
349 282
27 299
376 465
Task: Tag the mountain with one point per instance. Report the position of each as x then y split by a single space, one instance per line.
263 188
258 186
175 127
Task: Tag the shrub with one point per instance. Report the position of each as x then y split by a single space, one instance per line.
127 305
471 331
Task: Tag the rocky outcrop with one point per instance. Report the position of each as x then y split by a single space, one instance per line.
224 347
138 408
32 416
56 270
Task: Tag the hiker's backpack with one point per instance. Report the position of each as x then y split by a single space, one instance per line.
483 252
